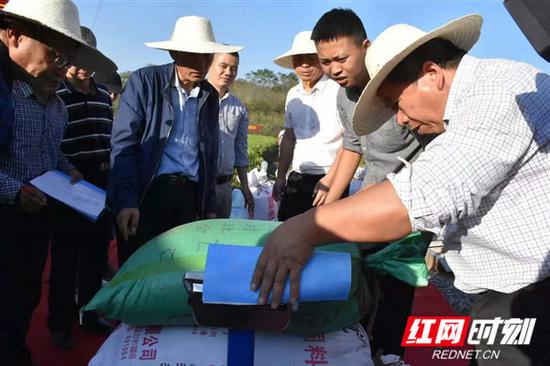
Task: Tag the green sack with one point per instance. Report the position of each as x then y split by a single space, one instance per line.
403 259
148 289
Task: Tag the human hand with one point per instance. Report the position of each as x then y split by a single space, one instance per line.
278 189
31 199
127 221
75 176
248 200
285 254
320 192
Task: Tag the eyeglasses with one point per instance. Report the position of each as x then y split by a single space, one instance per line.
59 60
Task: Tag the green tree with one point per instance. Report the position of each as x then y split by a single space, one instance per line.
287 81
262 77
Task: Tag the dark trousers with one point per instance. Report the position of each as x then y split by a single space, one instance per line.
170 201
78 255
532 301
394 304
394 299
298 194
78 252
23 252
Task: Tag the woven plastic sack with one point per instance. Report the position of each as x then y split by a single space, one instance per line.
180 346
148 289
403 259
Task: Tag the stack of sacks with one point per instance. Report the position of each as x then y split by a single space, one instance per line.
143 346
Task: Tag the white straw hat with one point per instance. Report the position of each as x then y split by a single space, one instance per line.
302 45
61 17
389 49
193 34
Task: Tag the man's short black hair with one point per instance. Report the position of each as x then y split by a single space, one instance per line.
337 23
440 51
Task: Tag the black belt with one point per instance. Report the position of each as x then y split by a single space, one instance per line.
223 179
175 178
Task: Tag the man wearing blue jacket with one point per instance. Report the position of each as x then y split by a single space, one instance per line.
165 140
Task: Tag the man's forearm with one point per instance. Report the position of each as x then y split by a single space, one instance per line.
242 174
373 215
347 165
286 154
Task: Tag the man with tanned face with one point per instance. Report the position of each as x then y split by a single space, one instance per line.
164 141
313 133
233 152
39 40
481 183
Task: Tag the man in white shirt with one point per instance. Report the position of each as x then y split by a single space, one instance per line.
233 150
313 133
482 182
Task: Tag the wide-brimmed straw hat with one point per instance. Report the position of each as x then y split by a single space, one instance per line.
193 34
389 49
302 45
61 17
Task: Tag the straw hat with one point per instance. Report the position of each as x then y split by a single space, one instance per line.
110 80
389 49
193 34
302 45
61 17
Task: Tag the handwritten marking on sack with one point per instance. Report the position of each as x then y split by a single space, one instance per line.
317 356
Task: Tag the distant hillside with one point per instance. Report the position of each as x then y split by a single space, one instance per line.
266 106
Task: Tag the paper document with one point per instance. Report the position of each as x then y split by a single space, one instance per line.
229 269
82 196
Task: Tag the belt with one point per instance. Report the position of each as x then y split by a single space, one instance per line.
175 178
223 179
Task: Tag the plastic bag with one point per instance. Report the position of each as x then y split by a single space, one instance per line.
403 259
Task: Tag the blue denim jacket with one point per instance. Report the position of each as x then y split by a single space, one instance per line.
140 130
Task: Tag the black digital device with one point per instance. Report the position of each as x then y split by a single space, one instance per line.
533 18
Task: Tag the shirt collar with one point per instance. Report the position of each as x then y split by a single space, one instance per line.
22 89
319 85
225 96
463 76
70 88
194 92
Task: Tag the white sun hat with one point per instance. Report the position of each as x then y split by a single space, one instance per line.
389 49
302 45
193 34
61 17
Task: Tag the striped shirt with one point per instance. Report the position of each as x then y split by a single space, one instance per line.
484 182
34 150
88 134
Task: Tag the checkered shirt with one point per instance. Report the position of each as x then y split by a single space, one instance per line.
37 134
484 184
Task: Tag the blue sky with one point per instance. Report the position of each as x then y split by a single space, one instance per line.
266 28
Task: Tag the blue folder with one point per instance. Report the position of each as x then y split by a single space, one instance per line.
229 269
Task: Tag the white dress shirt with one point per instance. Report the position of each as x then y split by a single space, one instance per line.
485 182
314 118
